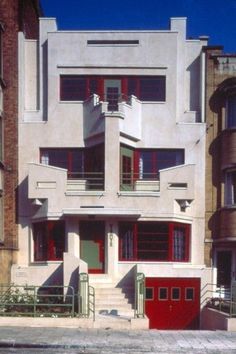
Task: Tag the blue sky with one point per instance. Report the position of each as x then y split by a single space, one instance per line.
215 18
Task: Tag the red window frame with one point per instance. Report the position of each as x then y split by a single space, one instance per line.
133 227
49 240
160 97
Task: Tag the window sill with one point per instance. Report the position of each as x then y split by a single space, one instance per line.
45 263
138 194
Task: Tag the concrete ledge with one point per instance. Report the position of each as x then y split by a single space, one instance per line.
113 323
46 322
213 319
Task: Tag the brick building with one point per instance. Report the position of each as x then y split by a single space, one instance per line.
220 242
15 16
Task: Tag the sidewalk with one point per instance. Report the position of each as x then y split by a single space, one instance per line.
108 341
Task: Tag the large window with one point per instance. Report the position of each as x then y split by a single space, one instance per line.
80 87
150 162
151 241
231 112
84 163
70 159
49 240
230 188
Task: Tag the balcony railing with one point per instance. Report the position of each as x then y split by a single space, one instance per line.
141 182
85 181
114 99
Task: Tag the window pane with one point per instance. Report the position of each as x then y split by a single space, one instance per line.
231 112
127 242
132 87
230 188
175 293
152 88
149 294
163 294
153 241
189 294
73 88
49 240
179 244
169 158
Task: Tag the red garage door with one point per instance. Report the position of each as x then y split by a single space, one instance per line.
173 303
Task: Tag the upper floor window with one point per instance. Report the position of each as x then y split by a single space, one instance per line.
80 87
231 112
230 188
86 163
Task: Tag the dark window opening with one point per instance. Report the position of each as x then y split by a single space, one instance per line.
154 242
49 240
162 294
86 163
149 294
231 112
81 87
189 294
175 294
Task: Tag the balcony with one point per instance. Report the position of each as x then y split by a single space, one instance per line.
127 109
135 182
47 182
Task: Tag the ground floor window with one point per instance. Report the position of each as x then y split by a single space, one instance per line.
149 241
49 240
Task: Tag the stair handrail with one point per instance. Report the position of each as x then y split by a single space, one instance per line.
86 296
139 310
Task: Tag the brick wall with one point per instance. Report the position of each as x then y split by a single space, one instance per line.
15 15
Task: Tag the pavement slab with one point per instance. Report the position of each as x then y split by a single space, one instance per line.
74 340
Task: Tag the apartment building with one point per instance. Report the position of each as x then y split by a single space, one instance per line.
112 165
220 165
15 16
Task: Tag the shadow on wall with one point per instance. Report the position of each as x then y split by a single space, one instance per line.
194 74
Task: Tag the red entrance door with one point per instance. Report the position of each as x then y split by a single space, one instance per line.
92 245
173 303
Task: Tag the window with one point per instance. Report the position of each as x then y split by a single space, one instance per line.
150 162
189 294
149 294
175 294
149 241
49 240
231 112
87 163
70 159
80 87
230 188
162 294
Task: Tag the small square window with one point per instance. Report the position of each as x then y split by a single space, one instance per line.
163 294
175 294
149 294
189 294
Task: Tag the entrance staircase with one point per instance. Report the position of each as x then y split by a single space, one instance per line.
114 304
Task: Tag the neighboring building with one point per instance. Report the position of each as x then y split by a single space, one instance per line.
221 165
15 17
111 164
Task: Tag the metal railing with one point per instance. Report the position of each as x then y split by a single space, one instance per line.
220 298
136 181
139 310
86 297
92 180
37 301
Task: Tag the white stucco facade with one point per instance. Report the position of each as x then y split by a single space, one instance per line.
46 121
